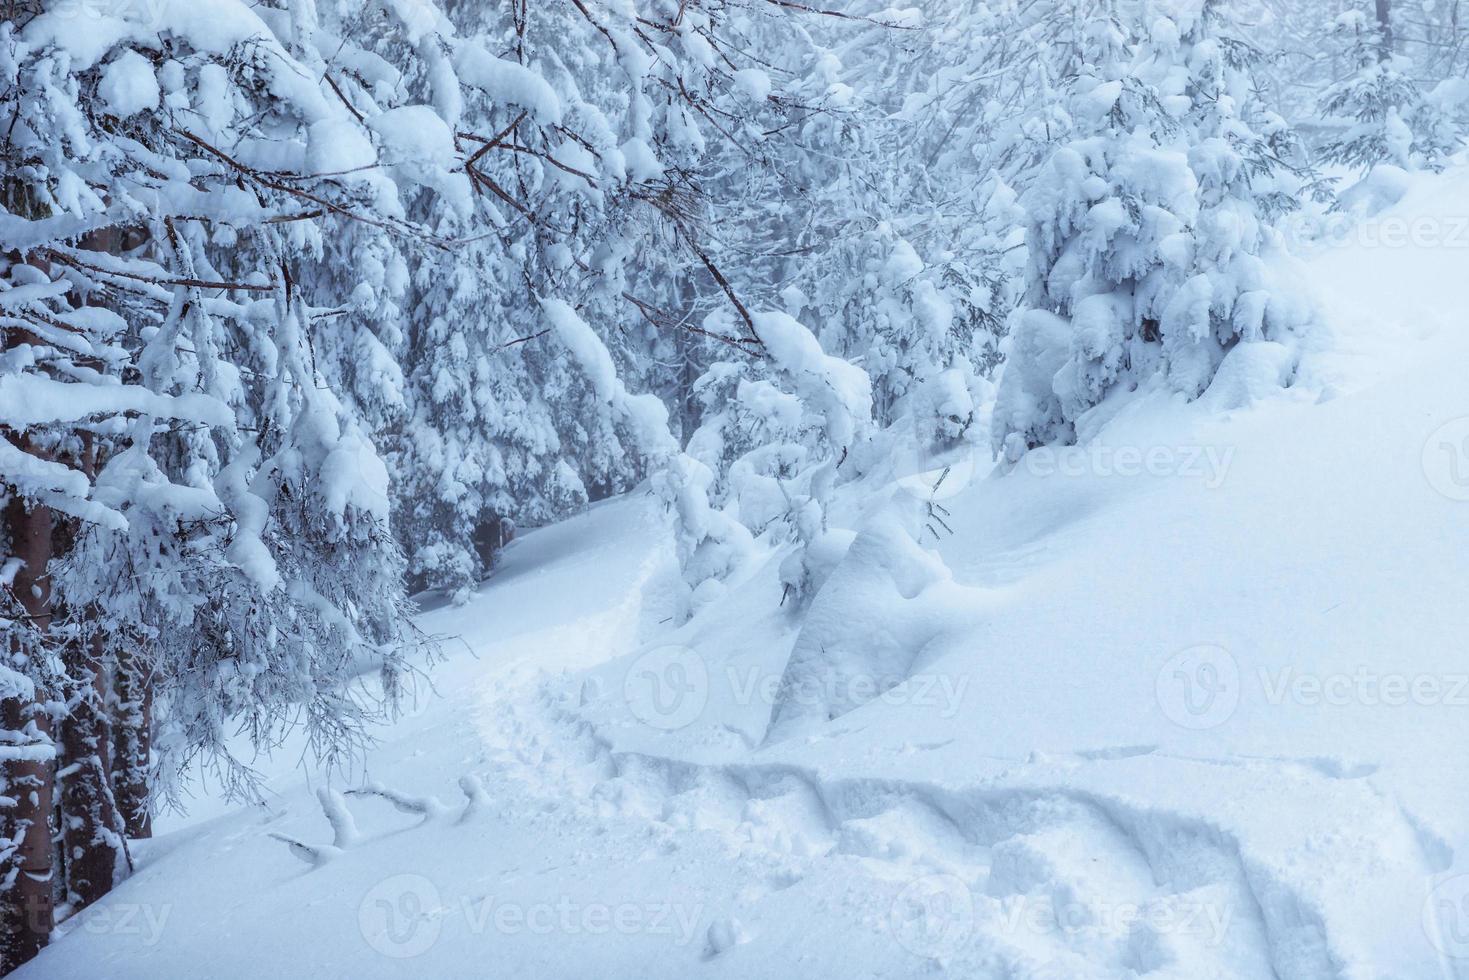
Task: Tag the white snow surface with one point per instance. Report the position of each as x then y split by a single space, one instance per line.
1189 700
128 85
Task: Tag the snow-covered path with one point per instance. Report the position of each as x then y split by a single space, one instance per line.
1199 720
581 855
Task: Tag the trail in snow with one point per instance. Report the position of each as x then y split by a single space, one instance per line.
593 790
1333 817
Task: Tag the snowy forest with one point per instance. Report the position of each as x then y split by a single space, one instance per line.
966 487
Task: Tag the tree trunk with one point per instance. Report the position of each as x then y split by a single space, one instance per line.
92 829
1384 28
26 907
124 745
130 762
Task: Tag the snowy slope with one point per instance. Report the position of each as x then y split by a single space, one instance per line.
1187 702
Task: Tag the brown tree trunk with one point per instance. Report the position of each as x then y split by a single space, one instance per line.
130 763
1384 27
95 854
28 761
123 741
92 829
26 908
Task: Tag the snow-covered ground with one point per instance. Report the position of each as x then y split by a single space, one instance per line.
1189 701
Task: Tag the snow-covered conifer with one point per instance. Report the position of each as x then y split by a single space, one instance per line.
221 513
1152 251
1386 117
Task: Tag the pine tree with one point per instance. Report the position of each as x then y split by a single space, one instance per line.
190 508
597 142
1388 118
1152 252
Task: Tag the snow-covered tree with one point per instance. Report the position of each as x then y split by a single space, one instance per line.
599 143
215 517
1387 117
1152 252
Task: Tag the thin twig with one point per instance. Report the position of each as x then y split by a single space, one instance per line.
723 282
67 259
329 205
350 107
